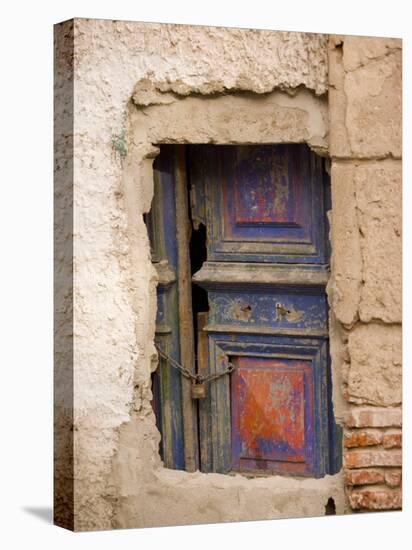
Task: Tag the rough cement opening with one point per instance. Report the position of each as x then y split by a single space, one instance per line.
229 119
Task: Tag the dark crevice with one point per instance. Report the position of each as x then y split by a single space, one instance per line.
198 251
198 255
330 508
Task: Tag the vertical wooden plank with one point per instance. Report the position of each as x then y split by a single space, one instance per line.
205 458
221 396
187 357
196 158
162 232
219 410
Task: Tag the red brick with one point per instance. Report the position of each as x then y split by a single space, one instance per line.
392 439
373 417
375 499
365 459
364 477
393 478
362 438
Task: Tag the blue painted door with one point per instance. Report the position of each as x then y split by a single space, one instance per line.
166 381
265 270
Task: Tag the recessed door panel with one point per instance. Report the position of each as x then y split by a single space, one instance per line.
263 203
278 310
272 414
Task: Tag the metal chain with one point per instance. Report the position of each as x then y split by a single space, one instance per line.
197 378
173 363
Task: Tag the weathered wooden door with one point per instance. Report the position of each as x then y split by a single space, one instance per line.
261 332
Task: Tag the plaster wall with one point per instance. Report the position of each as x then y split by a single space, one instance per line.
365 100
137 85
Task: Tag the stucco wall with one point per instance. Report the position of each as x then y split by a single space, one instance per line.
140 84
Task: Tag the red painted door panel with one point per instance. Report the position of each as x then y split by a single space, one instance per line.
272 414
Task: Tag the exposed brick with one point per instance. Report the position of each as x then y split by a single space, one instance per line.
375 499
393 478
392 439
364 477
362 438
364 459
373 417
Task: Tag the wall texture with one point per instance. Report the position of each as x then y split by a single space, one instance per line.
365 289
122 87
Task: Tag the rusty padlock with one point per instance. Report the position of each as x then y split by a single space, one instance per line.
198 390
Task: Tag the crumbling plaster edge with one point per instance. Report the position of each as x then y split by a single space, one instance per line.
137 189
